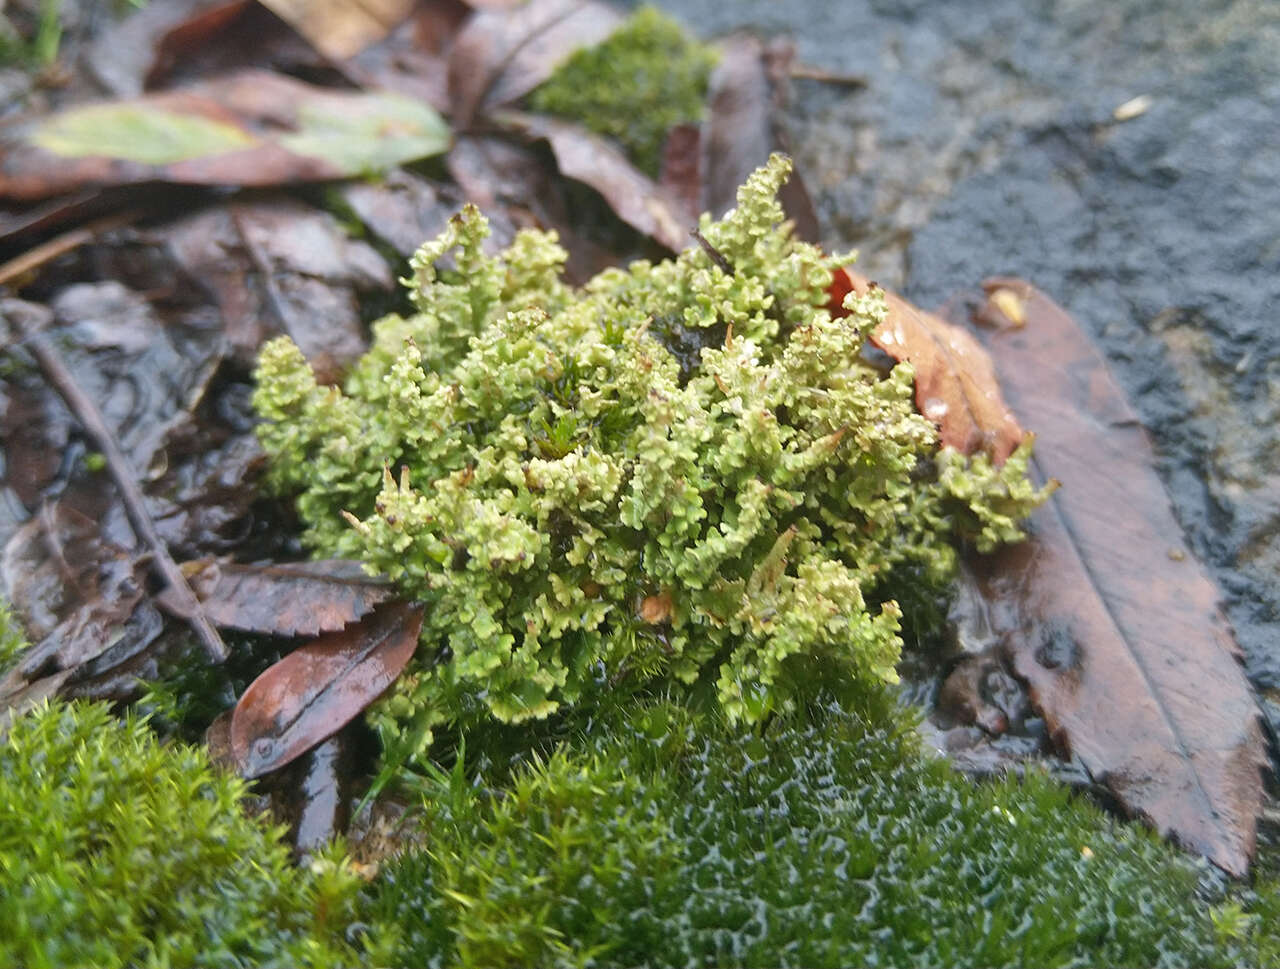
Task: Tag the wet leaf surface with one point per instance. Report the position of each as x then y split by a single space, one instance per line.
280 266
319 688
287 599
136 53
747 92
588 158
956 385
83 599
403 209
251 128
1106 613
504 52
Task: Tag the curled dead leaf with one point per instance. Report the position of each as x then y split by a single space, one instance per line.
316 690
956 386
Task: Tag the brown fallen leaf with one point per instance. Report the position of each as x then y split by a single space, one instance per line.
341 28
251 128
504 52
1106 613
588 158
277 265
746 93
956 385
316 690
288 599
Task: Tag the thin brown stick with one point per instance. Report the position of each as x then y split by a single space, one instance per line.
810 72
715 254
181 598
38 256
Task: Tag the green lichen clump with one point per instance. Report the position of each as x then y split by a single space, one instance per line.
116 850
647 77
682 470
672 840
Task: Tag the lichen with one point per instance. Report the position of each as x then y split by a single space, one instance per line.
580 498
644 79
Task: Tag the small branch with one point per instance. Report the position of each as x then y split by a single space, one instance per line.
716 255
809 72
181 597
36 257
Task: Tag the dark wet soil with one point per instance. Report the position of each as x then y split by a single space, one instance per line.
988 141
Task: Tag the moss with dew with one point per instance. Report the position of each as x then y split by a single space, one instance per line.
674 839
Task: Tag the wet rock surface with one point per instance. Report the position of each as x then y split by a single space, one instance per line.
989 141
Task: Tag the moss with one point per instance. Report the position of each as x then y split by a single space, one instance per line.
11 640
677 840
647 77
580 502
119 851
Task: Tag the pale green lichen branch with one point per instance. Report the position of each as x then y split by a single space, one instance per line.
675 471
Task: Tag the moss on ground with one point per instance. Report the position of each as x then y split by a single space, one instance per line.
647 77
823 843
116 850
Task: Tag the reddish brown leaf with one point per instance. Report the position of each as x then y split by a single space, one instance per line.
504 52
252 128
315 691
956 385
1106 613
290 599
747 90
634 197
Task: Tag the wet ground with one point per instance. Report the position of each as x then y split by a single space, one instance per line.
988 141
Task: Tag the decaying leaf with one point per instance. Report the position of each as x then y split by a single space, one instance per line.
288 599
316 690
504 52
278 265
1106 613
746 92
634 197
251 128
341 28
956 385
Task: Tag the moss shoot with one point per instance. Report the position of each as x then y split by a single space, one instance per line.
581 499
669 839
118 851
647 77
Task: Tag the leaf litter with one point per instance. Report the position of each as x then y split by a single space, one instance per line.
260 263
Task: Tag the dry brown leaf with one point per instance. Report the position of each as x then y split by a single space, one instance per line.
1106 613
956 385
318 689
287 599
341 28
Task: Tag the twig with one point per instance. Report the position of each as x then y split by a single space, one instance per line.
37 256
810 72
181 598
716 255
